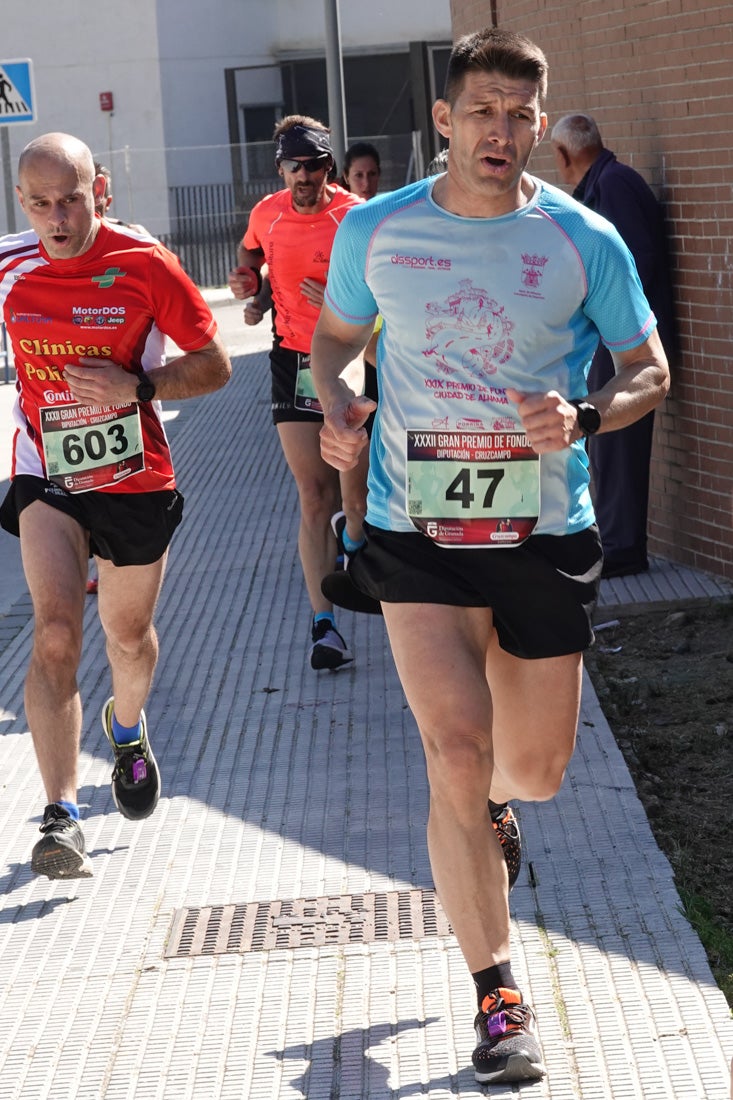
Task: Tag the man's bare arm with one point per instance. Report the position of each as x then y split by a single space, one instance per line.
99 382
335 345
640 384
195 373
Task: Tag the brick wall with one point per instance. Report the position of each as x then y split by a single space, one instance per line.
656 76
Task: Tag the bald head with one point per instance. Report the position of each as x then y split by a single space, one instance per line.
63 149
58 188
576 143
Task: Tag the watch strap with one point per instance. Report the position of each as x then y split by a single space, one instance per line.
585 411
145 390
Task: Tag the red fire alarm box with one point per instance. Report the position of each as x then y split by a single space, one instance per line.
106 101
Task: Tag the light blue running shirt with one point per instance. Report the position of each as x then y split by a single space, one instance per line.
472 306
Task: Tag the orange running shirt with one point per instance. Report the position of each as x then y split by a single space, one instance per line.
296 247
117 301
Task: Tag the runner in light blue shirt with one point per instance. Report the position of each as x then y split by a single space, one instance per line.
476 306
481 543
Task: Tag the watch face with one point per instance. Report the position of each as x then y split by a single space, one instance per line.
589 418
593 418
145 390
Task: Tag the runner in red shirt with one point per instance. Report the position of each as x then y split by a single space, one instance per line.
291 232
86 306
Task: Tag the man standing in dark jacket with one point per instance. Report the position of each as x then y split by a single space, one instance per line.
620 460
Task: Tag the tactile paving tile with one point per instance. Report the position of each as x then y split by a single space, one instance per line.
282 784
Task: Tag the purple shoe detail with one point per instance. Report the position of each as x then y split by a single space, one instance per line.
139 771
497 1024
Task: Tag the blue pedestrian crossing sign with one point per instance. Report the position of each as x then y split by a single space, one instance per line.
17 101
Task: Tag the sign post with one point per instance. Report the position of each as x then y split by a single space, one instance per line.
17 105
335 81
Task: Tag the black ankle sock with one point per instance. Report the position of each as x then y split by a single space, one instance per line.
493 977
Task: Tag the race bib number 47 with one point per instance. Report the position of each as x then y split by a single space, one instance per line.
91 446
472 489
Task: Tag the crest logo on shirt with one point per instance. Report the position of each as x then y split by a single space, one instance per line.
105 281
469 330
533 269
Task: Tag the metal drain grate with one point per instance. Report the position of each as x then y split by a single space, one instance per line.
306 922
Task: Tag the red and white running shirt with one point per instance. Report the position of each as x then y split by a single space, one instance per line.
118 301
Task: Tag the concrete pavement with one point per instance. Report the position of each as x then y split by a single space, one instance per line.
271 932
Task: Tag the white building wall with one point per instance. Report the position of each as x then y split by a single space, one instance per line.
164 62
78 50
302 23
232 33
194 53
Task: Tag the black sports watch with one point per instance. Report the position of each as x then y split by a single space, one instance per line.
145 388
589 418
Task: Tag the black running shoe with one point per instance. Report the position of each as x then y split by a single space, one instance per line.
135 776
328 649
507 1047
507 830
61 851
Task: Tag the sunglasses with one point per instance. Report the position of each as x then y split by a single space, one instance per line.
313 164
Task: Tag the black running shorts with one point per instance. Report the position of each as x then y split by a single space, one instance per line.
542 593
284 371
124 528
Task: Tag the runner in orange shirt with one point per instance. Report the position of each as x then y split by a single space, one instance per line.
291 232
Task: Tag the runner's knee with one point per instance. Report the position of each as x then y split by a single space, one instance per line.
318 497
131 636
57 644
536 777
459 772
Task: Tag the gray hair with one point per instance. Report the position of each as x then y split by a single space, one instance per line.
577 133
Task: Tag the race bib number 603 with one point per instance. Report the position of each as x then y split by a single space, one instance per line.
91 446
472 489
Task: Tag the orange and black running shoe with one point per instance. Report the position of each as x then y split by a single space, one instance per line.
505 823
507 1049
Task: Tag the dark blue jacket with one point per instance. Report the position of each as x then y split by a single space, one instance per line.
623 197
